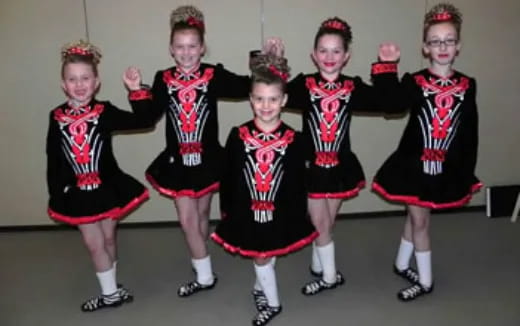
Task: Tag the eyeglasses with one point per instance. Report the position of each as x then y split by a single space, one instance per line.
438 43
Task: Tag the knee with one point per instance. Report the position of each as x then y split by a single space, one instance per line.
189 222
322 224
110 240
94 245
420 224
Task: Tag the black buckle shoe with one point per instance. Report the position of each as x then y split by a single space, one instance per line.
315 287
266 315
102 301
408 274
193 287
124 293
260 299
413 292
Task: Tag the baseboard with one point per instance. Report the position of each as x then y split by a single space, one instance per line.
176 224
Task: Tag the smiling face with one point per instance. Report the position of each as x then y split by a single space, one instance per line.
187 49
267 101
330 55
441 44
80 82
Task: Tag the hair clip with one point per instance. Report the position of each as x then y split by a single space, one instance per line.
443 16
192 21
334 24
283 75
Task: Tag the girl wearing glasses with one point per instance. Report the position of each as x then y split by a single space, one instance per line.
433 166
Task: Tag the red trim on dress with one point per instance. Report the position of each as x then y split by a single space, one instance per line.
383 68
114 213
183 192
265 254
414 200
339 195
140 94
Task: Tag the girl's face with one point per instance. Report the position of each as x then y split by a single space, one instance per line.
442 44
187 49
330 55
79 82
267 101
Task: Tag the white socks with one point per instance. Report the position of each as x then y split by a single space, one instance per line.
257 285
203 268
424 267
315 262
404 255
107 280
267 278
328 262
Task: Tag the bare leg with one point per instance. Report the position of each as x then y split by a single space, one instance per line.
204 206
190 221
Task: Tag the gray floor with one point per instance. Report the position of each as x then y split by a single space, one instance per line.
45 275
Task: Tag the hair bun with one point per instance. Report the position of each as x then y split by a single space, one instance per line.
81 48
189 15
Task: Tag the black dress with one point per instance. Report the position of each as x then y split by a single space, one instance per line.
191 162
434 164
334 170
263 197
85 183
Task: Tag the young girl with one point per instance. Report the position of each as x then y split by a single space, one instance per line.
327 99
433 166
188 168
86 186
263 196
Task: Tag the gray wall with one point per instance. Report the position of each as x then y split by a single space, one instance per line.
136 32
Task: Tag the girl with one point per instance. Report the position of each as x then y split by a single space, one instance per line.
188 168
327 99
263 197
86 186
433 166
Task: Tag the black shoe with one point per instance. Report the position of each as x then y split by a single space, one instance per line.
315 287
314 273
124 293
265 316
260 300
193 287
413 292
408 274
102 301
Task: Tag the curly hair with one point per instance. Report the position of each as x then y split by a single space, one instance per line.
335 26
442 13
187 18
80 52
269 69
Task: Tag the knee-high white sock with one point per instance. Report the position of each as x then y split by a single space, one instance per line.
257 285
424 267
404 254
107 281
267 279
203 268
315 262
328 261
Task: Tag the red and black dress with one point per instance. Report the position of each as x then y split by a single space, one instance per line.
434 164
191 162
262 195
334 170
84 181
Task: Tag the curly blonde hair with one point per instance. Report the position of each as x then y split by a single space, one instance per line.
80 51
269 69
442 13
187 17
